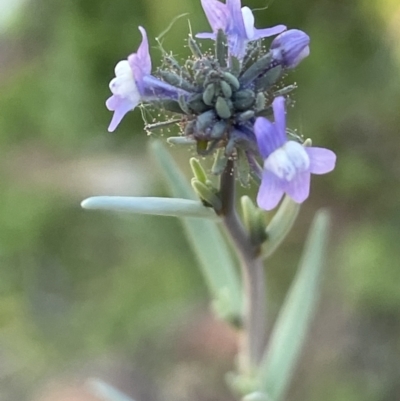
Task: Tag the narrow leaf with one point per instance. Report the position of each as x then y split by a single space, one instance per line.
206 239
288 335
104 391
280 225
146 205
198 170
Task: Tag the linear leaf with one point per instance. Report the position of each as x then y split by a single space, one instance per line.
209 245
288 335
150 205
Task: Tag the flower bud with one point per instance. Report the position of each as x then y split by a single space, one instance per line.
244 99
222 108
206 194
208 94
226 89
232 80
290 47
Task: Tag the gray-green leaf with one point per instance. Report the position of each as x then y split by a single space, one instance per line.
148 205
288 335
209 245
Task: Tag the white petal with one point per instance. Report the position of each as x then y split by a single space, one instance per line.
248 19
297 155
124 85
288 161
279 163
122 68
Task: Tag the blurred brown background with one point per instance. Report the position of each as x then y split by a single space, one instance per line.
120 297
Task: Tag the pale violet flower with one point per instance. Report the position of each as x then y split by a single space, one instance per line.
287 164
236 22
133 84
290 47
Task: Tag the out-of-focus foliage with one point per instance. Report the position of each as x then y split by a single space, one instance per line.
79 287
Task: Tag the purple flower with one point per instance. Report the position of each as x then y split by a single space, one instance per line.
133 84
236 22
290 47
287 164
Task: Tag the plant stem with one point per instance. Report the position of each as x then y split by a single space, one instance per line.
254 315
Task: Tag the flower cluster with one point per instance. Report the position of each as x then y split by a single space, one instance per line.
220 99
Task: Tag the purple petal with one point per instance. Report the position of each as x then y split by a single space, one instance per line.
140 61
290 47
237 45
280 116
216 13
270 192
268 138
322 160
236 23
299 188
143 52
267 32
154 88
120 107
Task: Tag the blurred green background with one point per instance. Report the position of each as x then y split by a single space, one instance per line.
121 297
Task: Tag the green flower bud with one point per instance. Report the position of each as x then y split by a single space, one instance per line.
208 94
244 99
232 80
226 89
222 108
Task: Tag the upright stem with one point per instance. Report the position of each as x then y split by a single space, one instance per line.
254 317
